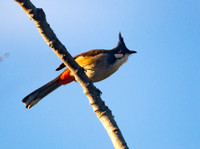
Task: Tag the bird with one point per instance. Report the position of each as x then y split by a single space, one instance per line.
98 65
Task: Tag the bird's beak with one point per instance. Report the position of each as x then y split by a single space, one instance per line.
131 52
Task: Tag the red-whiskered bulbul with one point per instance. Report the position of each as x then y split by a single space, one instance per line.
98 65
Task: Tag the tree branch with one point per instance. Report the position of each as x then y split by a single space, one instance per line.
102 111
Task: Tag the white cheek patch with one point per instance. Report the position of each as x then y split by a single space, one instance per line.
118 55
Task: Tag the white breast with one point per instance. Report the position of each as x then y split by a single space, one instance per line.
98 68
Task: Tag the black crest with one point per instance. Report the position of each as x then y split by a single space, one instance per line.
121 40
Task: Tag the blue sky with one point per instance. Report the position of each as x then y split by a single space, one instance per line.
154 96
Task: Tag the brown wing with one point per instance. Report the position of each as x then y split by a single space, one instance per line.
86 54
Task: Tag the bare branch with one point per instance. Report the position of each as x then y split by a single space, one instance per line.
102 111
3 56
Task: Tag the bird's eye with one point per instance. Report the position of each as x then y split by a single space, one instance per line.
119 52
118 55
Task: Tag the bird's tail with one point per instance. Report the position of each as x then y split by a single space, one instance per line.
34 97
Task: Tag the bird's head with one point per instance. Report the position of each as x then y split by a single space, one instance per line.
121 50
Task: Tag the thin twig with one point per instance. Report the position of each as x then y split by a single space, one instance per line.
102 111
